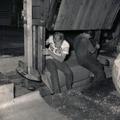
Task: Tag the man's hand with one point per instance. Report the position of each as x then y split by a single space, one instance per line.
45 52
51 47
57 57
97 46
58 51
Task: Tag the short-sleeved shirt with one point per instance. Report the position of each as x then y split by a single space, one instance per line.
64 48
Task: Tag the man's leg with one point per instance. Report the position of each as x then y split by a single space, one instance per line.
95 67
88 61
67 72
52 68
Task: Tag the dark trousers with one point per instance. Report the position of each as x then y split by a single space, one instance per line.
52 66
93 65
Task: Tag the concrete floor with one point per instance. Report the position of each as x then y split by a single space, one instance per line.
100 103
29 107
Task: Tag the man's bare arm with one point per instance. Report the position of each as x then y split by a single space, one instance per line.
59 58
47 52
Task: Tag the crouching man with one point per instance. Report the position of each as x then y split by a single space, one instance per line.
86 56
57 50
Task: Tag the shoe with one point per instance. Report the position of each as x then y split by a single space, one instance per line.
31 88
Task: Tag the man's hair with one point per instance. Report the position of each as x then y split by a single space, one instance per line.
61 35
85 35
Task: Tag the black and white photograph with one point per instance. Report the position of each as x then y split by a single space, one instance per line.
60 60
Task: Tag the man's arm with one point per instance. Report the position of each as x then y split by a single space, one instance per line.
48 41
59 58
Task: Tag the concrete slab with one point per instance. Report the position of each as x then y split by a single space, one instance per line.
9 63
29 107
6 93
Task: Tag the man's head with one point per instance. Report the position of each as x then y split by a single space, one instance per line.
58 36
86 35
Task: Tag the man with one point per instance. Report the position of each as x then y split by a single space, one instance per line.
55 54
86 56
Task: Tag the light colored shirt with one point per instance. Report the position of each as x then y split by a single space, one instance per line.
64 48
